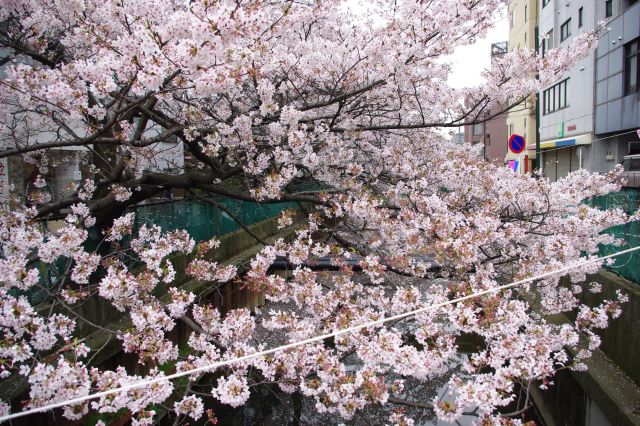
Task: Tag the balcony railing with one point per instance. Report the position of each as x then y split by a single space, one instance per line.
632 170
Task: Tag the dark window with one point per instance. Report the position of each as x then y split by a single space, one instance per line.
547 42
628 3
580 17
608 6
525 13
565 30
545 2
555 97
631 65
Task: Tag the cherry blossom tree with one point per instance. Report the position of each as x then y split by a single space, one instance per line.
264 94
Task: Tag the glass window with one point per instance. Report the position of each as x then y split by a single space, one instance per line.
580 23
545 2
608 5
547 42
565 30
628 3
561 95
555 97
478 129
631 65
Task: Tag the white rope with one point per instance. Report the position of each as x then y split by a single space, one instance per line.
219 364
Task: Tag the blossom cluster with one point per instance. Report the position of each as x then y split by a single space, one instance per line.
263 96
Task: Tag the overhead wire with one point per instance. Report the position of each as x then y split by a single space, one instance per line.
215 365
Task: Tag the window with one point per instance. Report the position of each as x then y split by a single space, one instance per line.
565 30
547 42
512 18
545 2
555 97
580 23
525 13
608 5
631 65
628 3
478 129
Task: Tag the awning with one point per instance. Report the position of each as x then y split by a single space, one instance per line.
558 143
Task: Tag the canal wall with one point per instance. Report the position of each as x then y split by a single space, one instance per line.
608 393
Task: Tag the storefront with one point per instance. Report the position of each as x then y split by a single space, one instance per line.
563 156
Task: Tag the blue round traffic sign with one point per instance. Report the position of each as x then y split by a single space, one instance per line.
517 143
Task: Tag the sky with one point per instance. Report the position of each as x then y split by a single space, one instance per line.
469 61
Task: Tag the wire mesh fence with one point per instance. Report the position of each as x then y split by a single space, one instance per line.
627 266
204 221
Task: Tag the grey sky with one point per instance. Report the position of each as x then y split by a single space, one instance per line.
469 61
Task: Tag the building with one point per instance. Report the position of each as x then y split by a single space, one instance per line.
64 162
68 166
567 104
617 90
457 138
521 120
492 134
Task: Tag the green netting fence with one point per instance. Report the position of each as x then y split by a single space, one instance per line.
627 265
203 220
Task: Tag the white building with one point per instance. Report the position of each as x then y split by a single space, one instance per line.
567 105
457 138
69 165
64 162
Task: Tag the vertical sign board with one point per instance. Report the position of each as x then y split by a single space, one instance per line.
4 181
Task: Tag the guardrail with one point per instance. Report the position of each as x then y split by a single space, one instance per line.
632 179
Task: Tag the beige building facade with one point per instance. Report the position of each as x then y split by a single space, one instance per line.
521 120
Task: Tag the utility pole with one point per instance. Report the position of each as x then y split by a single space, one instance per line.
484 141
